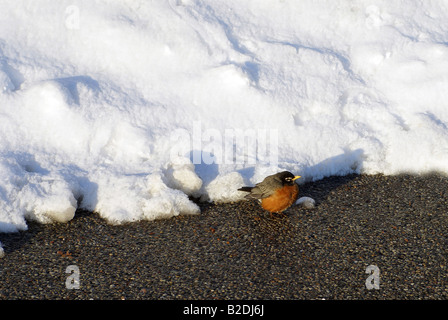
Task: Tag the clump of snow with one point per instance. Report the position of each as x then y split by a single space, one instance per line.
222 189
306 202
129 108
38 195
180 175
137 197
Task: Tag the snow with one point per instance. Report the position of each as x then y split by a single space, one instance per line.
130 108
306 202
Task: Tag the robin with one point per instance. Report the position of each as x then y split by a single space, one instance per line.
276 192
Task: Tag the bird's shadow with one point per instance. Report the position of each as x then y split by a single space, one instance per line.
320 190
342 169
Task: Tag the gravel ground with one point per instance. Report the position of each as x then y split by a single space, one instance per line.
238 251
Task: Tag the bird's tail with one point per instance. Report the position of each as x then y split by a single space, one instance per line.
246 189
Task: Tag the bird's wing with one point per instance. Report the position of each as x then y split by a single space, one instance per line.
260 191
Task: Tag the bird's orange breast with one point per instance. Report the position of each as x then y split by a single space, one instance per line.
282 199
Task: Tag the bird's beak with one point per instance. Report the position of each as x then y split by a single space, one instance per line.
296 177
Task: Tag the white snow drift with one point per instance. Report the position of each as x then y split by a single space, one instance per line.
93 93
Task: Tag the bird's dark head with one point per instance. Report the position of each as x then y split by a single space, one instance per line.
287 178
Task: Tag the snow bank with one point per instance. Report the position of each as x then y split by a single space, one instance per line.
128 108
